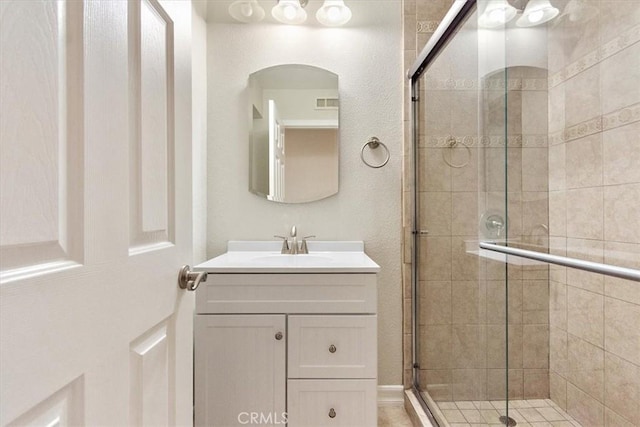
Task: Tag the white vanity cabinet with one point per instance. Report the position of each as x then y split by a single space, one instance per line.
286 348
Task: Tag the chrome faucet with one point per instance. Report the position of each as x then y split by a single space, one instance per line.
294 248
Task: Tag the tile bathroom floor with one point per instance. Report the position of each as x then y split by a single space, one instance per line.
527 413
393 416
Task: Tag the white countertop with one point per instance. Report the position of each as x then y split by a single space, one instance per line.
265 257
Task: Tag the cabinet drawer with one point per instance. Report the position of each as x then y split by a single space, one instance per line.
332 346
348 403
287 293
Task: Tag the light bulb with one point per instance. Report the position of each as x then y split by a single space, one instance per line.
537 12
334 13
498 15
535 16
246 10
289 12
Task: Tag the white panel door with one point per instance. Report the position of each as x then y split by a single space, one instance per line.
276 155
95 212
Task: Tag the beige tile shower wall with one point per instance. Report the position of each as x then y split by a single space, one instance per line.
594 205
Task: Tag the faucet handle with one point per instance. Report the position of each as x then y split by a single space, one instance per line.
303 247
285 244
294 231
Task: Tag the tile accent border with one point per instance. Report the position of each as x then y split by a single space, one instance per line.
594 57
516 140
490 84
598 124
426 26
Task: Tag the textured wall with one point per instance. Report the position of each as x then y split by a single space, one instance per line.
367 207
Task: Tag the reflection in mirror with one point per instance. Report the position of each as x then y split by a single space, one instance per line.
294 136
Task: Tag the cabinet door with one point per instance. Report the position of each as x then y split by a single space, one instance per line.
239 369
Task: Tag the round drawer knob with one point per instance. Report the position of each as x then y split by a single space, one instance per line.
332 348
332 413
279 336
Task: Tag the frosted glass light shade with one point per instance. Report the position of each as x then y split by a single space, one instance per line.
497 12
333 13
289 12
246 11
537 12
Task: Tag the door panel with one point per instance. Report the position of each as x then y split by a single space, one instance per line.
91 331
41 184
151 110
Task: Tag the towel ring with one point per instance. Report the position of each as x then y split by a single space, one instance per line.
374 142
452 144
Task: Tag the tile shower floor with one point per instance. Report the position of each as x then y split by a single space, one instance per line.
527 413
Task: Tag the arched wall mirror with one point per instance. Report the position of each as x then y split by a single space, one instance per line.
293 141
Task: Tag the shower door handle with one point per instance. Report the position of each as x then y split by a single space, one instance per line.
420 232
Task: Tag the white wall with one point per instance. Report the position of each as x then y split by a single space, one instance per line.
367 207
299 104
199 119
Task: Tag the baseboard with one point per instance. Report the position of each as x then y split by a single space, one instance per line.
390 395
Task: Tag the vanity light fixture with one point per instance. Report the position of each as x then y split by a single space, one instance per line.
246 11
290 11
333 13
497 12
537 12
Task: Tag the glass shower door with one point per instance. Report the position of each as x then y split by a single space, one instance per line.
461 198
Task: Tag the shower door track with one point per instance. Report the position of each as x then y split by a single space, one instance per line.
594 267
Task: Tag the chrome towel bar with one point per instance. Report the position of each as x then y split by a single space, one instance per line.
594 267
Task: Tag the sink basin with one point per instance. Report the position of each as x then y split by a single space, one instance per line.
284 260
